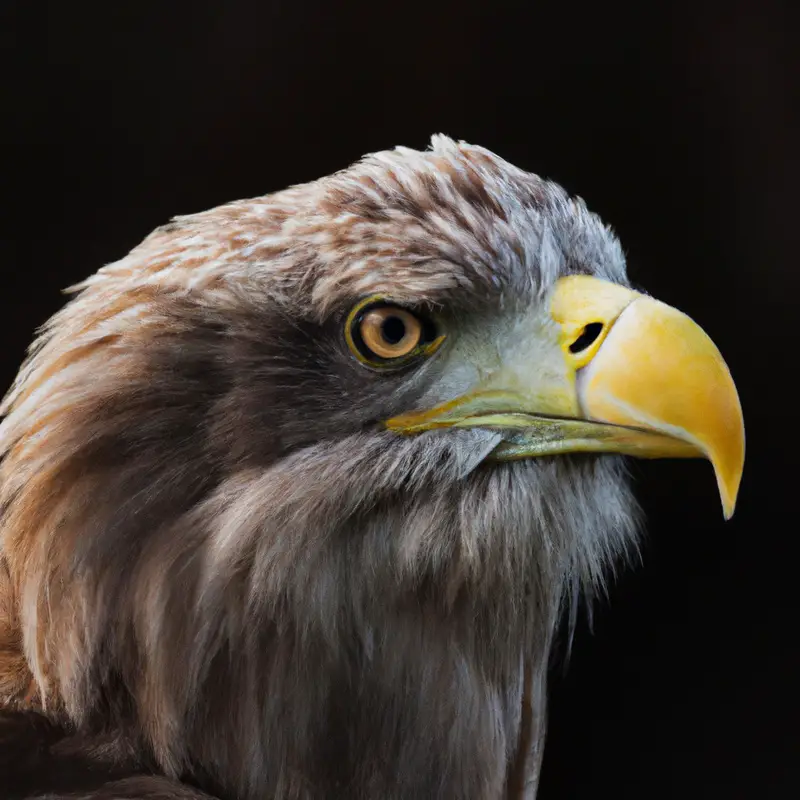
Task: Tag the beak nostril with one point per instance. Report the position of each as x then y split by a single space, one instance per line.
587 337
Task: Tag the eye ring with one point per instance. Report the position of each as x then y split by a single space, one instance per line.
383 334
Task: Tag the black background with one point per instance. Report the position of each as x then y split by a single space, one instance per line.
678 123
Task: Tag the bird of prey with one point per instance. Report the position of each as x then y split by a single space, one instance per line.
295 494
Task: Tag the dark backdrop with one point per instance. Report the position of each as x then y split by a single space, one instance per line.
678 123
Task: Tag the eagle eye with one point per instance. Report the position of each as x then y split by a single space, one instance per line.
381 334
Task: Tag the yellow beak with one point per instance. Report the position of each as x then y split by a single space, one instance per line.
639 378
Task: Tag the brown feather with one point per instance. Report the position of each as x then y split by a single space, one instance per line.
209 551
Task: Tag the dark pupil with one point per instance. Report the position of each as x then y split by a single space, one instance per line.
393 330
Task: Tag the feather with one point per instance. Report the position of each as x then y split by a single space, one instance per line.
213 555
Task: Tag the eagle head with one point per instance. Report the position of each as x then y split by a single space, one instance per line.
294 494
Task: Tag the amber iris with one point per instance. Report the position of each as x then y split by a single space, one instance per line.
390 332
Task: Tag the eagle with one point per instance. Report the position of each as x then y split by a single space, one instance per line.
295 496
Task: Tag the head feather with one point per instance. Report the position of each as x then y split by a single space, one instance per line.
191 555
